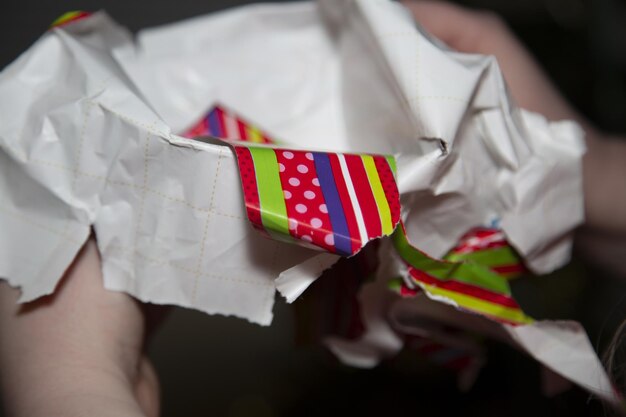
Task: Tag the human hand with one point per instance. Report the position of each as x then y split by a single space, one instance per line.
604 164
78 352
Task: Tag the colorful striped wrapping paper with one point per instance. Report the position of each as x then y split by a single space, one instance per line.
335 202
70 17
339 202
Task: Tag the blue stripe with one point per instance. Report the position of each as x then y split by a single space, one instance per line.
338 221
214 124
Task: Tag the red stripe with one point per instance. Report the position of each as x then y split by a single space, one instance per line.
266 139
408 292
479 238
364 195
200 129
463 288
348 209
250 189
389 187
227 130
467 247
243 134
481 233
508 269
79 16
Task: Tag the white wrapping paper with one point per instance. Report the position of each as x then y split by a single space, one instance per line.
88 128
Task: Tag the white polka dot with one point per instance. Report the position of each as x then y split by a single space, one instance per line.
287 194
329 239
309 156
294 181
288 155
281 167
315 222
309 195
301 208
316 182
323 208
307 238
303 169
293 224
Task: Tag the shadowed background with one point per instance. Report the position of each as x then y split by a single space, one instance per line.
212 365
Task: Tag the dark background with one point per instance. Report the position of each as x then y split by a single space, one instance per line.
211 365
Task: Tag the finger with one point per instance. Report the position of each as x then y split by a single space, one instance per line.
147 389
481 32
461 28
75 350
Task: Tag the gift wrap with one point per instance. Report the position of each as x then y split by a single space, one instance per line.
223 158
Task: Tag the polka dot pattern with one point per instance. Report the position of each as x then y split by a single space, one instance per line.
307 210
308 221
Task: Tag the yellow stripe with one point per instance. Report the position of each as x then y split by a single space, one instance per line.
379 194
66 17
254 135
506 313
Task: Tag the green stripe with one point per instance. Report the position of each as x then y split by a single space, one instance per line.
477 305
395 284
273 209
488 257
391 160
469 273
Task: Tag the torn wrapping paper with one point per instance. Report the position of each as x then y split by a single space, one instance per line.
352 91
390 320
334 201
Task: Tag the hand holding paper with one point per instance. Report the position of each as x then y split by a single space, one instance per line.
100 150
604 167
79 351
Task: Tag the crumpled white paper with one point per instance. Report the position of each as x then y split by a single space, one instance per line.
87 139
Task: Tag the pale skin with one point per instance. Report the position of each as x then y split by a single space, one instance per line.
78 352
81 351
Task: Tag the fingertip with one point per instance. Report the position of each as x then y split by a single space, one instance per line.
442 19
147 388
